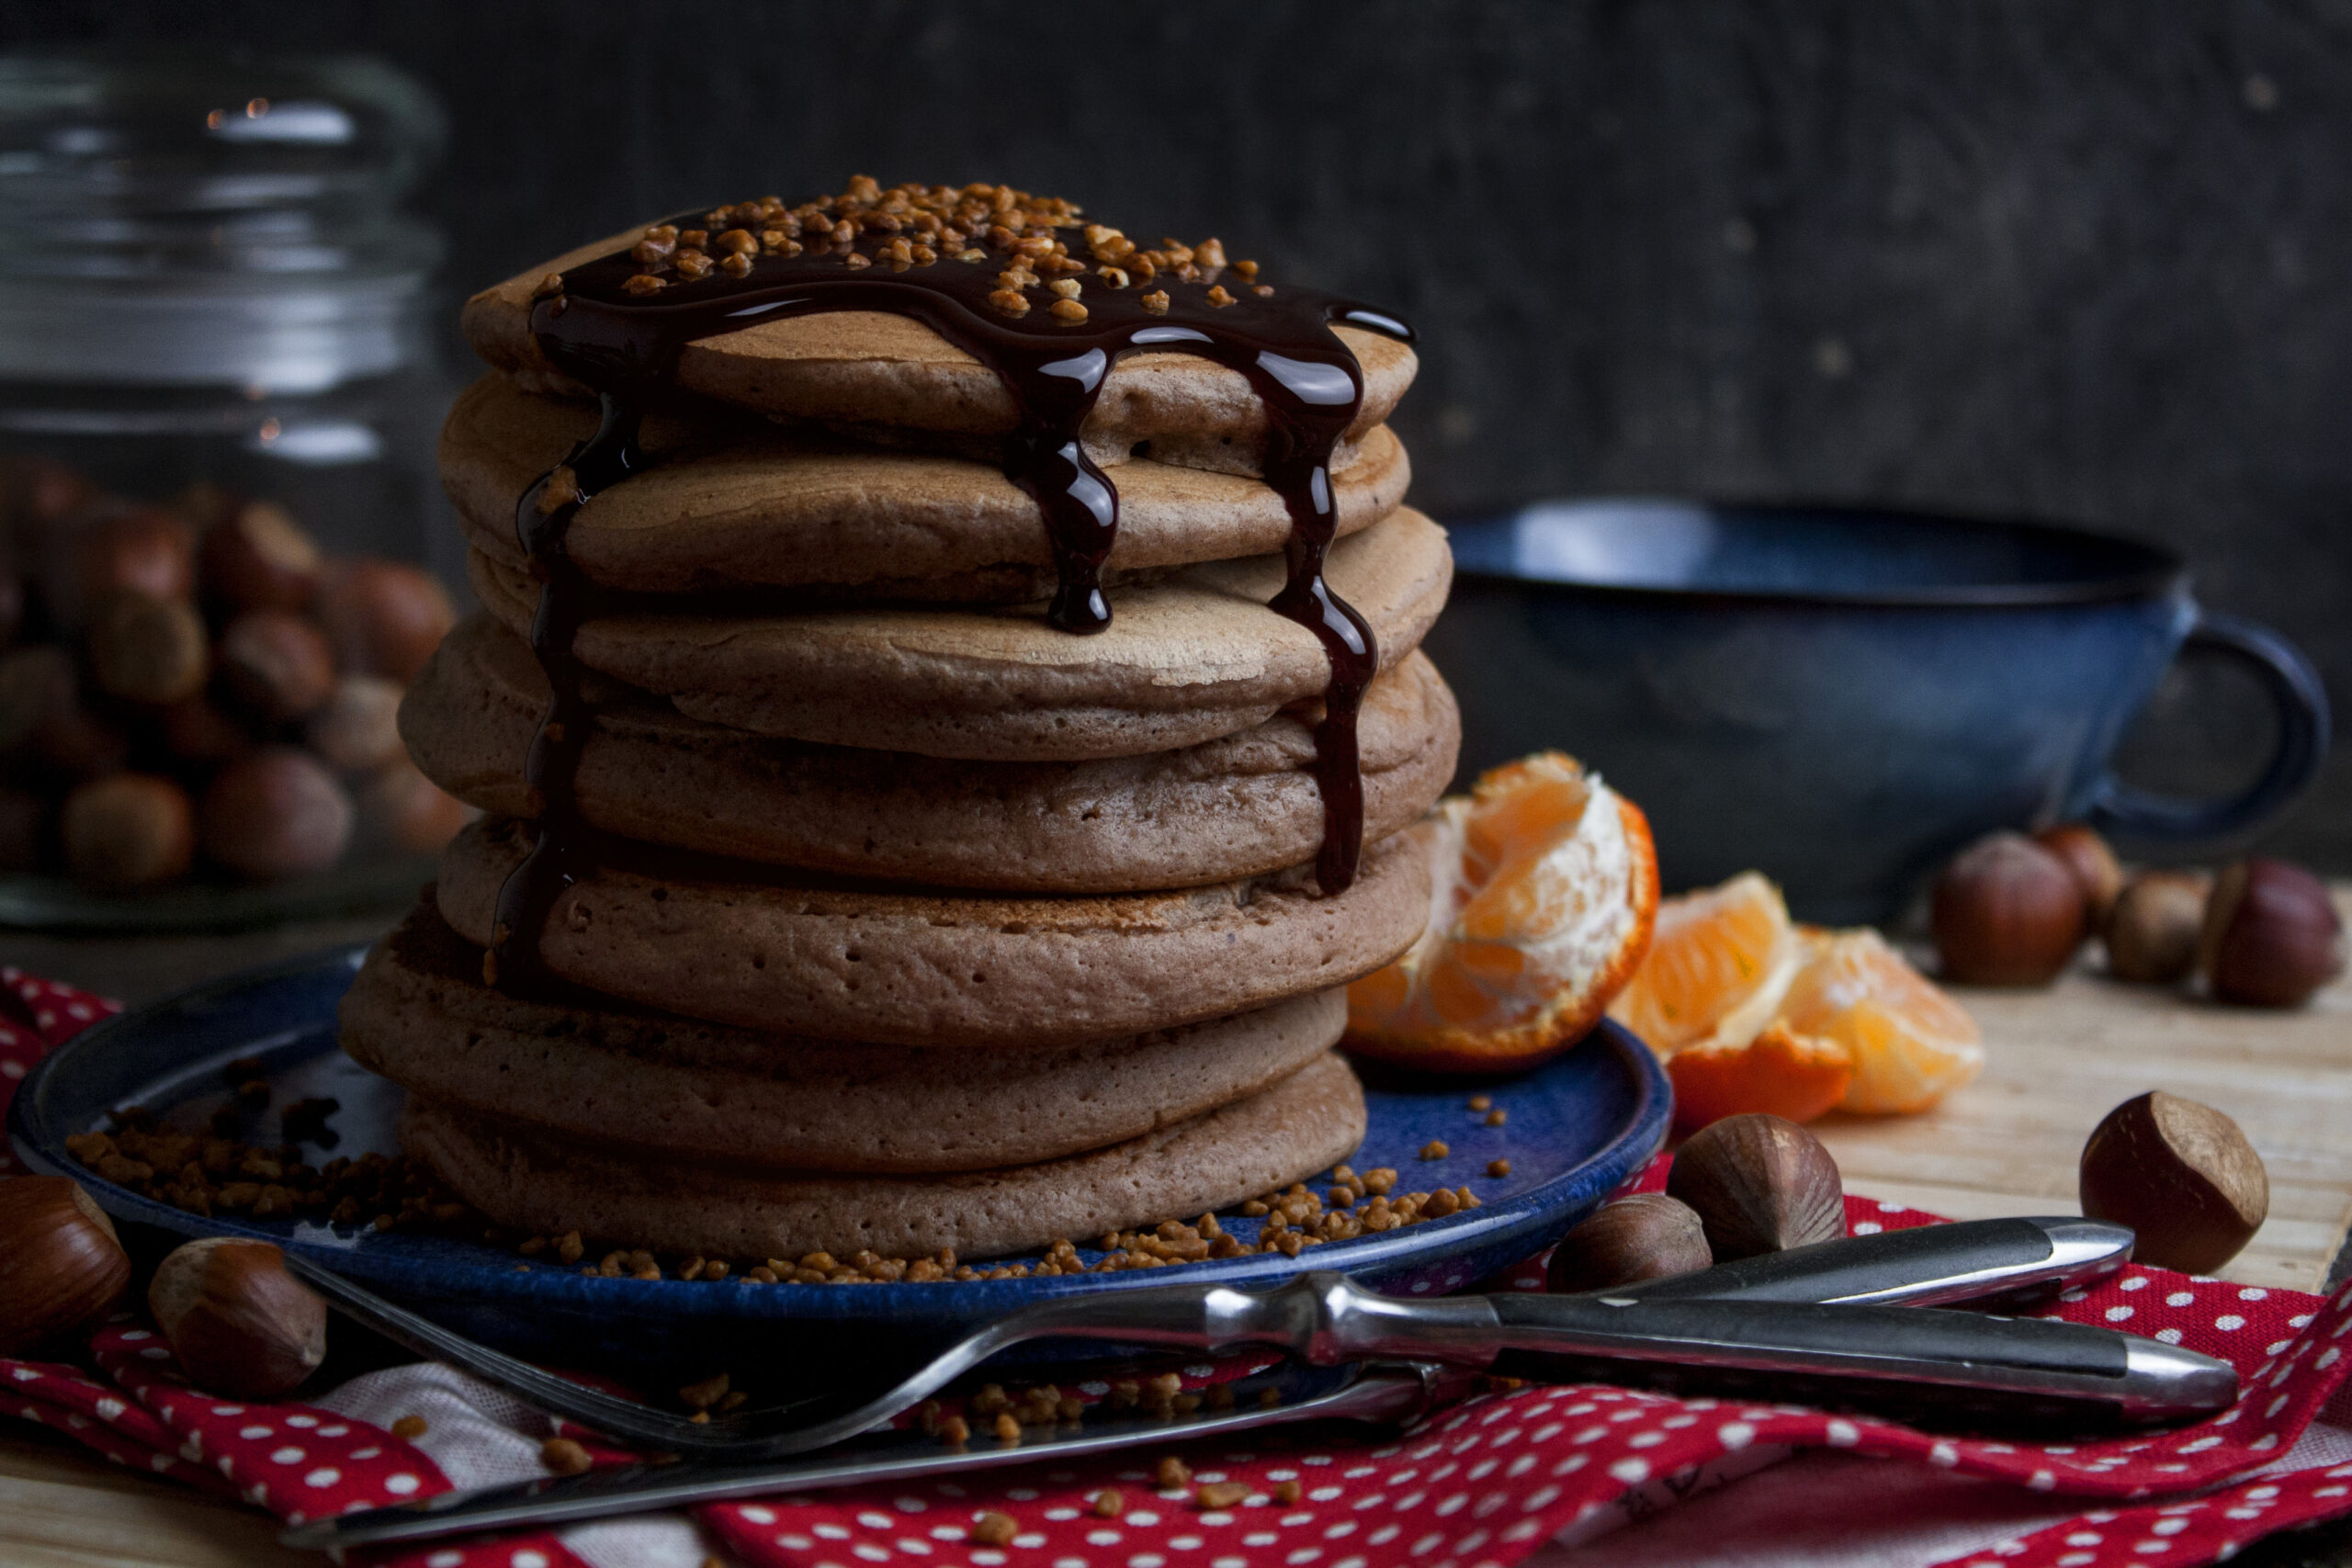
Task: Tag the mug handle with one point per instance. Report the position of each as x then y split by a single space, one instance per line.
2301 702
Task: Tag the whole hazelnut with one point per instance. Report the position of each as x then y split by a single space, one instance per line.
259 558
145 550
206 505
2181 1175
1646 1237
358 728
2007 912
41 711
128 830
197 730
2151 932
2094 864
2271 936
276 813
33 682
1758 1184
22 817
148 649
276 664
403 810
386 617
44 492
62 1266
239 1323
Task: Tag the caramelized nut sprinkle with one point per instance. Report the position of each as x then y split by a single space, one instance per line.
922 225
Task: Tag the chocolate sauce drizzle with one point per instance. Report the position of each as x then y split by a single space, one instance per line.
626 345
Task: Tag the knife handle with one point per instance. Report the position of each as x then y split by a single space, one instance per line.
1922 1266
1874 1355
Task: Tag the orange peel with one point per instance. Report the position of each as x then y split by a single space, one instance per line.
1781 1073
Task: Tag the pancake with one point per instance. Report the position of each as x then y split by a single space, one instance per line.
792 953
624 1078
873 374
1187 659
1237 807
1300 1125
734 507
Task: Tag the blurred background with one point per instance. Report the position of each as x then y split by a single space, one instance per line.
2083 262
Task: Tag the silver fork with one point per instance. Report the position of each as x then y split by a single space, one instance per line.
1325 1318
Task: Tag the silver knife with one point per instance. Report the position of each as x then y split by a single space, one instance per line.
1936 1263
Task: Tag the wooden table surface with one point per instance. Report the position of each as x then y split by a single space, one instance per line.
2058 1060
2007 1144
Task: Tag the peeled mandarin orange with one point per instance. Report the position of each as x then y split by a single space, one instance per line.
1544 884
1911 1044
1718 966
1780 1072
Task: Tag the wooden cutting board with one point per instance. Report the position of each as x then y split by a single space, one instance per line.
2060 1059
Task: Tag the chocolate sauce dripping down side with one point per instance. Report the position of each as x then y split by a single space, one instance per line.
542 518
626 345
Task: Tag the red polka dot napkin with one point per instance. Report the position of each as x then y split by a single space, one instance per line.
1485 1482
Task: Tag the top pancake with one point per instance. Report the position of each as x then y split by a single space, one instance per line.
739 503
878 376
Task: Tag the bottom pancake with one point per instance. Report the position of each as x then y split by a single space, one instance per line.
530 1182
620 1076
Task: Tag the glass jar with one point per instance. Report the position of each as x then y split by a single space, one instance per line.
213 340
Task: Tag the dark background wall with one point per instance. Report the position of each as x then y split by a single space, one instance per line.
2090 260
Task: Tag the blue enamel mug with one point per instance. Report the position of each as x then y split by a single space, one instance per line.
1841 697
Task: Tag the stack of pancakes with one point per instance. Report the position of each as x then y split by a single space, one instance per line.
906 920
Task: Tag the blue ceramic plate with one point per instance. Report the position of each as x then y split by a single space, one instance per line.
1578 1127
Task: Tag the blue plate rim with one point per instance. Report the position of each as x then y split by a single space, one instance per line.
1533 1213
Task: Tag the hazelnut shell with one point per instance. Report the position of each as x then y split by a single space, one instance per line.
2007 912
2087 854
403 811
276 813
259 558
145 550
1758 1184
2181 1175
2271 936
357 729
42 710
128 830
1646 1237
2151 932
198 731
276 664
24 820
61 1266
148 649
239 1323
385 617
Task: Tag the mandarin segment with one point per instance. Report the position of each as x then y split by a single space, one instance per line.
1752 1013
1720 962
1543 886
1911 1044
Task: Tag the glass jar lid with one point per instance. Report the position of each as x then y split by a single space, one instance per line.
191 221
